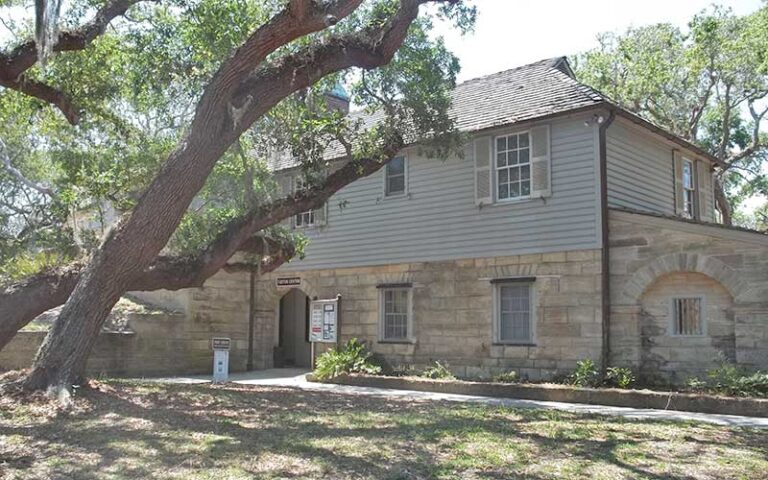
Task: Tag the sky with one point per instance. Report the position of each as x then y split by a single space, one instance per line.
510 33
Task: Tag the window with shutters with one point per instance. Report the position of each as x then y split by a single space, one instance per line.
395 180
689 189
513 166
514 313
303 219
395 313
687 316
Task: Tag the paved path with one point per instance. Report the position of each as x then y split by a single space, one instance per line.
289 377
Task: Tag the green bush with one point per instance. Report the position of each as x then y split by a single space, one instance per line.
585 374
621 377
351 358
507 377
438 371
730 379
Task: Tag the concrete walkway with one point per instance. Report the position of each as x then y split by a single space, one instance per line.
296 378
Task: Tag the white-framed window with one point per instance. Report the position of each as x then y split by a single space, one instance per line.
513 166
687 316
396 177
396 322
689 189
303 219
514 312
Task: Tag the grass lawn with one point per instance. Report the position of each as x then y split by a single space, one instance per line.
144 430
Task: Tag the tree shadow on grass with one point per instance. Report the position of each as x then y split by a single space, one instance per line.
156 432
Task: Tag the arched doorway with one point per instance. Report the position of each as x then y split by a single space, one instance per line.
293 348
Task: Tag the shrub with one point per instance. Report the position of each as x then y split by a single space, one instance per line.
621 377
438 371
507 377
585 374
730 379
351 358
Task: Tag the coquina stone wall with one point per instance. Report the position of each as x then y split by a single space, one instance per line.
452 311
158 344
652 260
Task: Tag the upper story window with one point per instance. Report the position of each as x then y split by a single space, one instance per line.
303 219
395 177
513 166
687 316
689 189
514 313
395 317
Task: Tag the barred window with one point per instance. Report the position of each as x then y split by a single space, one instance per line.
395 313
687 316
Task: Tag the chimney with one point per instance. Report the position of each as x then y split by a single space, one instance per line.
338 99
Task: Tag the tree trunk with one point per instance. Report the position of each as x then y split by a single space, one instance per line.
234 99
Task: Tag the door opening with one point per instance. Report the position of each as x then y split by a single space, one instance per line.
293 347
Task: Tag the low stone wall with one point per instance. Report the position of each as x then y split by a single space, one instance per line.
158 344
645 399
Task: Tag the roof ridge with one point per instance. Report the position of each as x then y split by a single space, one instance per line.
547 62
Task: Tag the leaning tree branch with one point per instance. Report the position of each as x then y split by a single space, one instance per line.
16 173
24 56
14 64
46 93
21 302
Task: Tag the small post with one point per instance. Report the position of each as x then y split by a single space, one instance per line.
312 356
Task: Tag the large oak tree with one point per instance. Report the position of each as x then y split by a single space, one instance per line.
208 85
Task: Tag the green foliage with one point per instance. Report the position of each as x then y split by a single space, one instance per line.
707 84
353 357
507 377
730 379
438 371
27 264
586 374
138 85
621 377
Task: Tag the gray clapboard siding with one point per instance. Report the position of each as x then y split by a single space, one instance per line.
439 220
640 171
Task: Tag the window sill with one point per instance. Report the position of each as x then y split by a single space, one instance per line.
389 198
398 342
513 344
515 201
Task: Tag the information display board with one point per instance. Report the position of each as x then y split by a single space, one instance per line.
324 321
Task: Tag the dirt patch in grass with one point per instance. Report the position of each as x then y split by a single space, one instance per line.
148 430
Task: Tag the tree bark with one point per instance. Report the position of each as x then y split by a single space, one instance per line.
233 100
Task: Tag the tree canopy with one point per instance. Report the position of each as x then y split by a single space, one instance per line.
694 82
163 106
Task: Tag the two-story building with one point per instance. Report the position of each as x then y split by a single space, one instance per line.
569 229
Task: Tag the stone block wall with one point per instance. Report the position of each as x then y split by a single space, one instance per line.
653 259
452 311
158 344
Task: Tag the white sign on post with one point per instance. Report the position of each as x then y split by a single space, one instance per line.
220 346
324 321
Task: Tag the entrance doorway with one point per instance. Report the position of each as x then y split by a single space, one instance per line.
293 347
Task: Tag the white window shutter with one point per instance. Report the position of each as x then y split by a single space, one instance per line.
704 191
483 171
677 163
541 165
